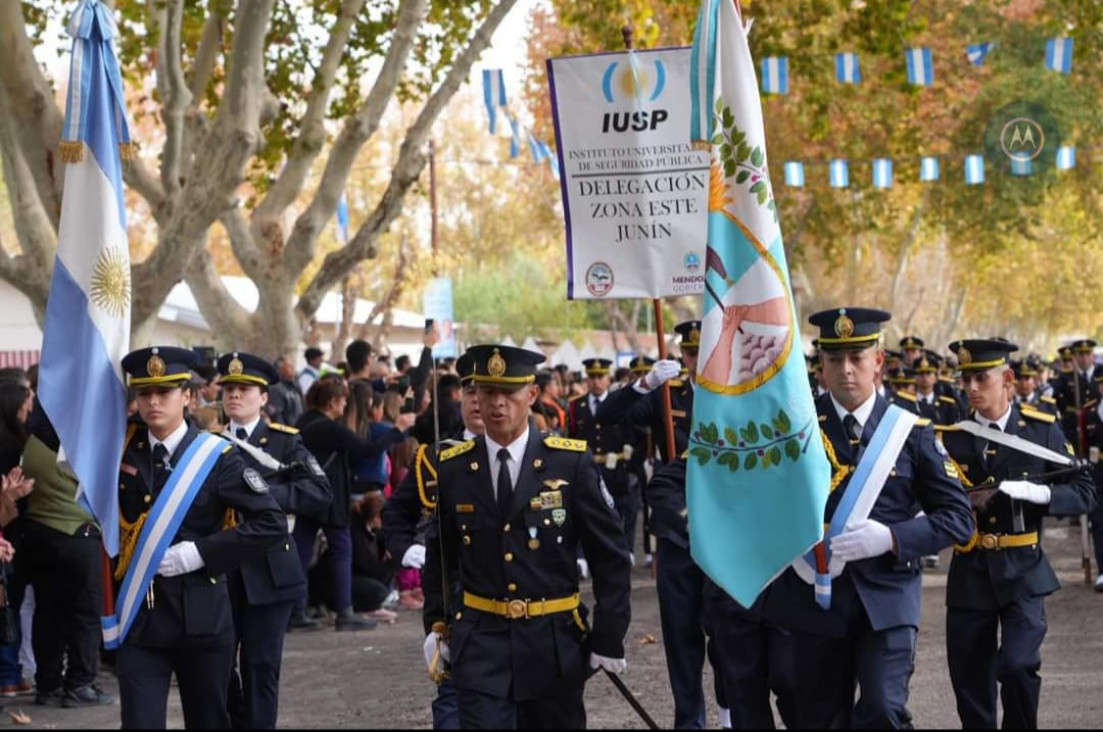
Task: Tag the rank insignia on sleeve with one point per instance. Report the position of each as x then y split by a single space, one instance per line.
254 481
951 470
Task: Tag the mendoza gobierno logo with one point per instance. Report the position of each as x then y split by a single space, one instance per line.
1022 139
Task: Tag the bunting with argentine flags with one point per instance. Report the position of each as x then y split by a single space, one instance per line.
87 327
757 474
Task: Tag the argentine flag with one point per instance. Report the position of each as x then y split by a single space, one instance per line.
882 173
1022 166
775 75
343 220
87 330
538 149
1059 55
794 174
1066 157
839 173
920 66
494 95
978 52
846 68
974 170
514 137
928 170
757 477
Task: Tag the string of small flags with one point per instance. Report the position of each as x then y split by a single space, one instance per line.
495 99
930 169
774 70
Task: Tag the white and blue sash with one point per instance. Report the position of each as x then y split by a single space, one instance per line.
861 493
157 533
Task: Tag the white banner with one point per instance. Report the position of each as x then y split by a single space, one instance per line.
635 195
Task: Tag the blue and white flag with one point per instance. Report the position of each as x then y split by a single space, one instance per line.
794 174
553 164
978 52
838 173
928 169
920 66
343 219
882 173
775 75
1059 55
1066 157
846 68
757 476
1022 166
538 149
87 330
514 137
974 170
494 95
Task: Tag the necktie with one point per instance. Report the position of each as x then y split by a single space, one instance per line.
160 466
505 485
242 434
853 431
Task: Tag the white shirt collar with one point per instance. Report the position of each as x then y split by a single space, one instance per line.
861 413
516 455
248 427
172 441
929 398
1001 422
468 434
596 400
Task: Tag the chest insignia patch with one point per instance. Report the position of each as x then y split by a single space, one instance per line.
559 516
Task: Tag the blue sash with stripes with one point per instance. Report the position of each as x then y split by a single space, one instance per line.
157 533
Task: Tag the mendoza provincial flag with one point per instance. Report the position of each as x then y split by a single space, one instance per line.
978 52
757 476
794 175
882 173
494 95
928 169
846 68
1066 157
87 329
920 66
1059 55
775 75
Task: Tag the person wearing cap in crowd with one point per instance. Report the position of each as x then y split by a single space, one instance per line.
515 506
902 389
911 349
860 633
1066 360
313 369
643 451
939 408
998 580
177 543
1077 392
1026 388
409 512
610 443
264 592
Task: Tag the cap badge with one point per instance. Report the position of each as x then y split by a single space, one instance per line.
236 367
496 365
694 336
155 366
963 356
844 326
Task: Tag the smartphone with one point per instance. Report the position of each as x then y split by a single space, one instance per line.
428 325
408 407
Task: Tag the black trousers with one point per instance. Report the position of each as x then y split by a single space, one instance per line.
203 675
254 690
483 711
67 575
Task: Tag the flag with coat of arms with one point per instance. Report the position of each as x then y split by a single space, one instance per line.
757 474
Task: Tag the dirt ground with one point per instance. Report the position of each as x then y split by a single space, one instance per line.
377 679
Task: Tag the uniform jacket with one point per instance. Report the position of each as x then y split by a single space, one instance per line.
666 495
887 587
194 609
602 437
1072 391
304 490
986 579
558 505
629 407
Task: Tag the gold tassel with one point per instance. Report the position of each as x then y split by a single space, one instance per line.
71 151
128 151
229 520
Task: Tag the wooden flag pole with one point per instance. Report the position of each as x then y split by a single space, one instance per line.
660 331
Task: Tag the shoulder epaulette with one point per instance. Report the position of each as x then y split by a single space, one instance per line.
282 428
922 422
823 417
947 428
947 399
565 443
1047 399
685 454
459 449
227 449
676 383
905 395
1035 414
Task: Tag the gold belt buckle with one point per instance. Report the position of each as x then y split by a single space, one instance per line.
990 541
517 609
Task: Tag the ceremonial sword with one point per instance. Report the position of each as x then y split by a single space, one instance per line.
1020 445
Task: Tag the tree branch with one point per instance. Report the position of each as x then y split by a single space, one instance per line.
35 232
213 297
357 130
242 243
206 54
411 161
312 134
141 179
174 90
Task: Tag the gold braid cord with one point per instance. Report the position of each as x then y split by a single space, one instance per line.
840 471
419 461
972 543
128 539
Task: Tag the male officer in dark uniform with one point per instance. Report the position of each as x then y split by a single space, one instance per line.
607 440
183 625
1026 389
514 507
865 637
938 407
1077 393
911 349
995 593
264 592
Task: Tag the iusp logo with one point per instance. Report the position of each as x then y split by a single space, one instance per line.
622 83
1022 139
599 279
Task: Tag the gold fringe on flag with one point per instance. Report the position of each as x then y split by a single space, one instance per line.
71 151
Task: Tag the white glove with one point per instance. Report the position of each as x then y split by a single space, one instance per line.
1024 490
662 372
862 541
414 558
433 641
583 568
612 665
180 559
